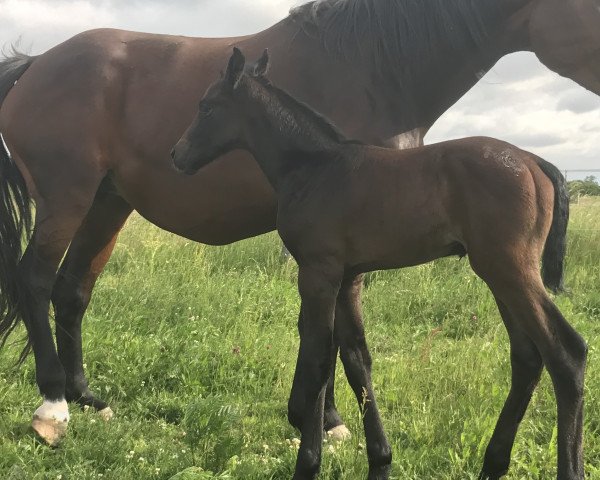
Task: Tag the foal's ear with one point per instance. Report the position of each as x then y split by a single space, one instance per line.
235 69
261 68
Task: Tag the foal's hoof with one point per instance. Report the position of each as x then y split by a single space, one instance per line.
491 476
339 433
106 414
379 473
50 430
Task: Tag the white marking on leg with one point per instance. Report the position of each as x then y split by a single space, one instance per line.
53 410
106 414
50 421
339 433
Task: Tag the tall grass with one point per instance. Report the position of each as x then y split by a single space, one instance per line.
195 348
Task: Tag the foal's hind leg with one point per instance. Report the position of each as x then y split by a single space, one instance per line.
526 370
562 349
356 358
87 255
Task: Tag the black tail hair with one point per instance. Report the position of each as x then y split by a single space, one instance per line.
12 66
15 227
15 215
555 249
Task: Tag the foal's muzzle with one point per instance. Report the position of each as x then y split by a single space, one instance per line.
180 155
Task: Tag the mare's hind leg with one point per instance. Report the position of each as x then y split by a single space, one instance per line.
350 334
332 422
87 255
527 367
55 226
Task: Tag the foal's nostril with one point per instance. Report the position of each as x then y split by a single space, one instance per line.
173 153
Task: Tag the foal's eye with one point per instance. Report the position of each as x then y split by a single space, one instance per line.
206 110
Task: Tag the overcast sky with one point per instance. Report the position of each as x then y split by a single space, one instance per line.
519 100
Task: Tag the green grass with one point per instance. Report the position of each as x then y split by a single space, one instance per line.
195 348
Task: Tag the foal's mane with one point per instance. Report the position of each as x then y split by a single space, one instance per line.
306 118
397 37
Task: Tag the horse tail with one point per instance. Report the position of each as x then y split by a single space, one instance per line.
553 258
11 69
15 215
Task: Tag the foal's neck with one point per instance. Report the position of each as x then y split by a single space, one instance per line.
286 136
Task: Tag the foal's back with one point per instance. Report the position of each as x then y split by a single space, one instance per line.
380 208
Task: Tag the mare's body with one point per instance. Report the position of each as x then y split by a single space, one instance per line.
90 124
345 209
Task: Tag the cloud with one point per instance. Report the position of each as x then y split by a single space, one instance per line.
42 23
579 101
514 68
590 128
536 110
535 139
36 22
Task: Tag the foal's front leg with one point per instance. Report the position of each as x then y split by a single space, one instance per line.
318 287
332 422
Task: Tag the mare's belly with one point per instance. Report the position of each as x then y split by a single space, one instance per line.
222 203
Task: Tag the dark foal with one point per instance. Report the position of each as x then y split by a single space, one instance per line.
346 208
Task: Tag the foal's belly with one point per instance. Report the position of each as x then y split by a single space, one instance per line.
400 233
405 254
408 258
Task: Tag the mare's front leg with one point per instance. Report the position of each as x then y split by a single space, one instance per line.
332 422
350 334
318 285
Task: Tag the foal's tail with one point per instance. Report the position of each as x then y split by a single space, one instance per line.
553 258
15 214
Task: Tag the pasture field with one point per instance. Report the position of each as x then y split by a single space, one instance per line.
194 347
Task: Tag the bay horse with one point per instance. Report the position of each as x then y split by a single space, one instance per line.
346 208
90 123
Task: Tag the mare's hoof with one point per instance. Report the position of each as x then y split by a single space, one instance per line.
106 414
339 433
50 430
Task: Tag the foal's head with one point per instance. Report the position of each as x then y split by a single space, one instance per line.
219 125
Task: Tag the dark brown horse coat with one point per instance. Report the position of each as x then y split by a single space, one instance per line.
117 101
90 124
345 209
